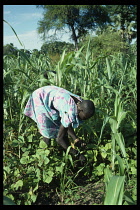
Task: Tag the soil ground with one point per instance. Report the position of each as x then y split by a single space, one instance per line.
89 194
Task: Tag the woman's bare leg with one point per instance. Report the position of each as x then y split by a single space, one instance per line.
46 140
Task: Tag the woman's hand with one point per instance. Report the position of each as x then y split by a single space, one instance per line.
79 143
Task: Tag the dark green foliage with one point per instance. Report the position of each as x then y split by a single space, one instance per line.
29 164
125 19
78 19
53 48
9 49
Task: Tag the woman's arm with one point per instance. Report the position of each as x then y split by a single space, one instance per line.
71 132
77 141
61 140
64 143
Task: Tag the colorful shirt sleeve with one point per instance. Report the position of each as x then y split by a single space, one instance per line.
67 110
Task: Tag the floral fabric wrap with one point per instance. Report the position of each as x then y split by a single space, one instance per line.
49 106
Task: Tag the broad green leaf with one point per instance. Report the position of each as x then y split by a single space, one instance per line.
95 155
114 192
50 173
21 138
7 201
18 184
116 105
42 153
103 154
113 123
107 175
100 169
47 176
120 141
133 116
108 146
121 165
7 169
25 154
60 168
133 170
16 172
42 144
37 171
62 57
47 179
30 170
68 149
24 160
15 143
47 152
105 149
79 51
113 151
33 197
121 116
46 160
109 71
30 138
128 199
103 126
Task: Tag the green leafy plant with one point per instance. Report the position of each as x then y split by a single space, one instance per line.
107 80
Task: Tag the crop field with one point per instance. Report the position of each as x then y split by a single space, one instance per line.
35 174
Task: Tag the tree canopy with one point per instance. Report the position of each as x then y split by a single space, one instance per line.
56 47
115 26
9 49
78 18
124 18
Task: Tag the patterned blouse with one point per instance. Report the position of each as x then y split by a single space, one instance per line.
51 106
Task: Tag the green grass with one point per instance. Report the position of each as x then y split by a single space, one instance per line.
110 81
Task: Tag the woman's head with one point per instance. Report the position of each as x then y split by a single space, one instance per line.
86 109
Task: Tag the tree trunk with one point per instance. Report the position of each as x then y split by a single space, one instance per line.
74 37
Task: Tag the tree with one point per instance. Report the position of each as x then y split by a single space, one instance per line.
36 53
56 47
124 18
27 52
107 43
78 18
9 49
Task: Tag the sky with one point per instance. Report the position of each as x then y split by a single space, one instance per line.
24 19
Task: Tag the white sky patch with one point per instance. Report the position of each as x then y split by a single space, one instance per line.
7 12
29 16
30 40
24 20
